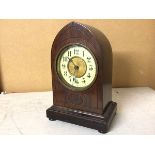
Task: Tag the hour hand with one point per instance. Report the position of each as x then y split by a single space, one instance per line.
75 78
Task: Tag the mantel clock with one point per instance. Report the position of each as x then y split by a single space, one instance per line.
81 63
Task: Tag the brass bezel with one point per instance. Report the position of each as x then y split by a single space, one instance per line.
62 80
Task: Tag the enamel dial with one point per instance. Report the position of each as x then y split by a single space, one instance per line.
77 67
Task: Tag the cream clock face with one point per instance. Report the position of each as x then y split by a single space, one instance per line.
77 67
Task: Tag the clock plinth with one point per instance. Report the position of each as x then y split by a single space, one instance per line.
81 64
99 122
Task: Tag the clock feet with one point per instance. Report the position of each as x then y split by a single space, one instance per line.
101 131
99 122
52 119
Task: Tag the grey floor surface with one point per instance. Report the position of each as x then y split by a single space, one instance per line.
25 113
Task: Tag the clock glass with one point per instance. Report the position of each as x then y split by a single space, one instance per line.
77 67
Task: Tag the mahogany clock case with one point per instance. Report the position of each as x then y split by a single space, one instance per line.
92 107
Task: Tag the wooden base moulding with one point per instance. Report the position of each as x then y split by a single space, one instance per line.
86 119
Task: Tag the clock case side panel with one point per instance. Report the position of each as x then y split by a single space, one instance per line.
106 66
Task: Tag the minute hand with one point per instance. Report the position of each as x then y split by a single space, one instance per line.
70 60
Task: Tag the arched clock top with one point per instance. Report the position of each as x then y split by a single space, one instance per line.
74 32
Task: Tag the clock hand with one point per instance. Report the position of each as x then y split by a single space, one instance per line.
70 60
74 77
76 67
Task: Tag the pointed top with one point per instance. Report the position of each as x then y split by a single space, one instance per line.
75 23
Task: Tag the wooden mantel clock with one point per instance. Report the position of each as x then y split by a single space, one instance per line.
81 61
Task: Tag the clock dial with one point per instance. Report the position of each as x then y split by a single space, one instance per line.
77 67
